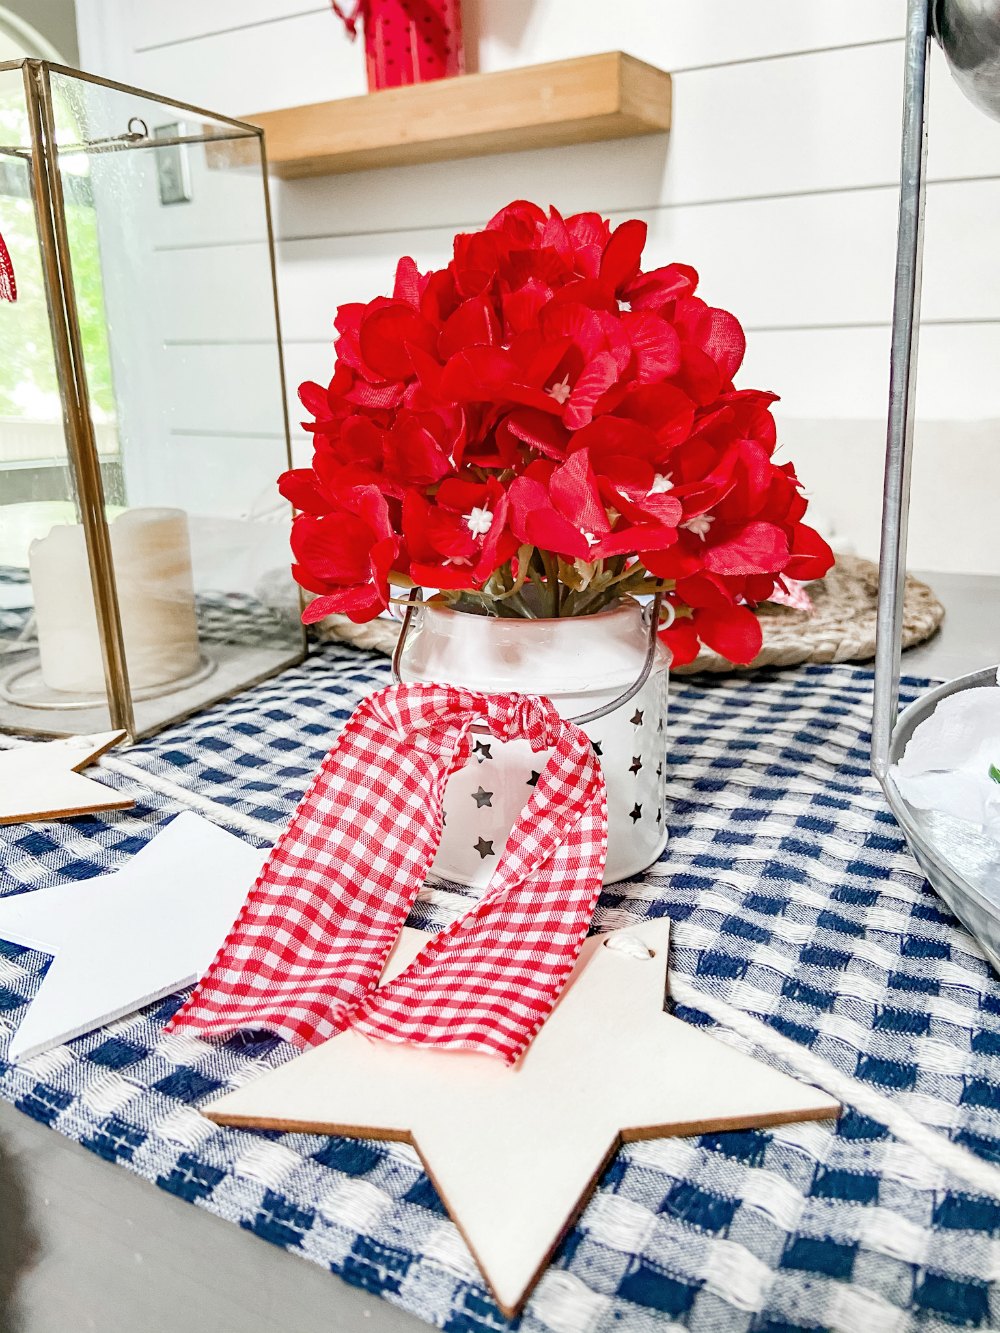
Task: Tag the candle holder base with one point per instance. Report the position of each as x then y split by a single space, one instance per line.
226 669
24 687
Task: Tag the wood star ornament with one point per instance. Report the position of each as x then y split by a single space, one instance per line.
514 1152
121 940
43 780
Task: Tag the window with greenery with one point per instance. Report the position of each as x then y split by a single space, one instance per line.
31 444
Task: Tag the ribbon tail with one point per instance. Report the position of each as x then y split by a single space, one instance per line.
490 980
326 910
350 21
8 283
307 951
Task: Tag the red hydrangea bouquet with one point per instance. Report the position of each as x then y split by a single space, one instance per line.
540 428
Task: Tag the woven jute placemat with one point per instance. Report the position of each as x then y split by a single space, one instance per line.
839 628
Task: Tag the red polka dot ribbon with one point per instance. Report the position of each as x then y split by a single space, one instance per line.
306 952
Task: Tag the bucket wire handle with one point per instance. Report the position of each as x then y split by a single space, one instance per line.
651 614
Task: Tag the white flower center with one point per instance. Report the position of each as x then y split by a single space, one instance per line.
591 539
661 484
456 560
479 521
699 525
560 392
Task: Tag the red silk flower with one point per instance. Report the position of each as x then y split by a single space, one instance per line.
542 425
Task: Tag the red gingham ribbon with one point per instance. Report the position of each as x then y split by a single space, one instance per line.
305 954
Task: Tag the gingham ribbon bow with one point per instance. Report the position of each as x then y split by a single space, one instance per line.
305 954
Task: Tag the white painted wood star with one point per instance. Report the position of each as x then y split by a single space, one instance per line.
515 1152
124 939
43 781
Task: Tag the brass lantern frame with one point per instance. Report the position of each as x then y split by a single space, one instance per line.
57 266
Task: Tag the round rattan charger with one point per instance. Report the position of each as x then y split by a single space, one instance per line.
839 628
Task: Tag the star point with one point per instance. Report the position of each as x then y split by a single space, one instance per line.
126 938
43 780
514 1150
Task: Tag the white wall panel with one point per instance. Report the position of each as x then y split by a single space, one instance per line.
505 33
187 20
843 374
307 58
956 479
675 34
834 374
822 122
812 260
223 390
778 181
236 476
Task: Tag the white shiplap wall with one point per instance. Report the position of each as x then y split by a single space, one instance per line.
778 182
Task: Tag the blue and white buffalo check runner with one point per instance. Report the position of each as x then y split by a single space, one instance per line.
799 916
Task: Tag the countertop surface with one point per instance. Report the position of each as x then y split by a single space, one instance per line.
86 1245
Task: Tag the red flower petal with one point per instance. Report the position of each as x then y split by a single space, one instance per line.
655 346
682 640
521 218
407 285
333 548
664 409
573 489
548 530
313 398
811 556
413 455
756 548
622 254
384 337
726 342
538 430
650 291
734 632
300 488
594 379
473 323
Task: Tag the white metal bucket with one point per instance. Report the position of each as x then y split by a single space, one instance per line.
582 664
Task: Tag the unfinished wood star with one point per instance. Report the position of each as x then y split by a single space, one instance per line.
43 781
515 1152
121 940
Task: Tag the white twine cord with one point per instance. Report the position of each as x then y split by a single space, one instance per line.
804 1063
847 1089
215 810
629 945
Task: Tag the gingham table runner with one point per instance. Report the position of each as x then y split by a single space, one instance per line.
800 920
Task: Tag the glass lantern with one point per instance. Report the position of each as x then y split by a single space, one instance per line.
946 789
144 568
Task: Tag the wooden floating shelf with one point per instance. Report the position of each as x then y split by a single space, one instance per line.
609 96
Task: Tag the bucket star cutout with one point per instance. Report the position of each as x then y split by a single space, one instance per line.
514 1151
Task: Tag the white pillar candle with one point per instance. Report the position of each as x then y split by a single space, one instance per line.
151 550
